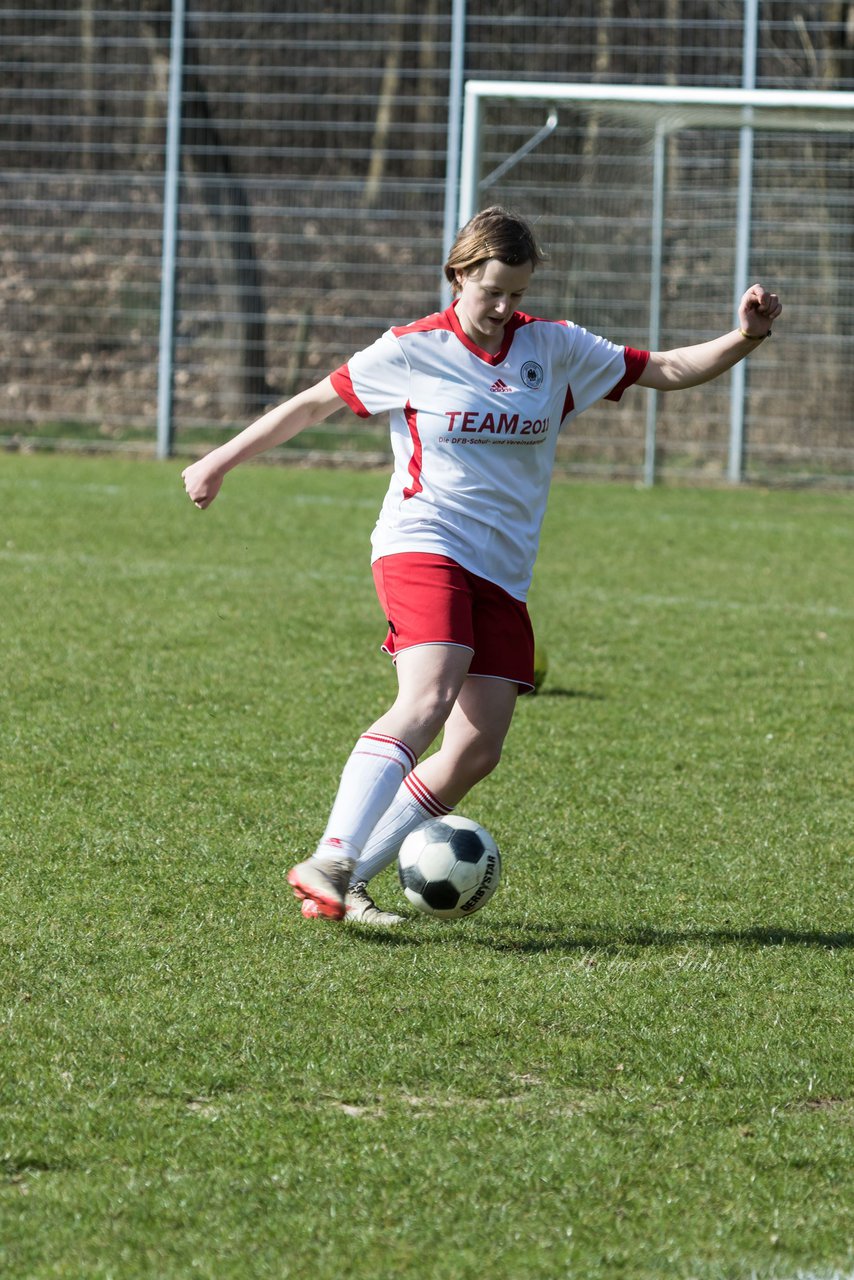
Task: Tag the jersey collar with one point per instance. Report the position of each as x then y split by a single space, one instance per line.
515 322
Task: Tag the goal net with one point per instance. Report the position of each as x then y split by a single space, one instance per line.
658 207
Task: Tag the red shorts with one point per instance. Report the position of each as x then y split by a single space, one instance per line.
430 599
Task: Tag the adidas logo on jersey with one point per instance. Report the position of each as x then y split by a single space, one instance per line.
500 386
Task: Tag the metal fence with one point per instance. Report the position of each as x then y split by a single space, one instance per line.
313 165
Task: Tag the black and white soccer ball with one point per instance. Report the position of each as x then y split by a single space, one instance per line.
449 868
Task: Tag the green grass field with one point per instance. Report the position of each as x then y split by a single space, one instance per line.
635 1063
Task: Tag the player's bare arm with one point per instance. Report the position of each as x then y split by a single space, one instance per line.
203 479
690 366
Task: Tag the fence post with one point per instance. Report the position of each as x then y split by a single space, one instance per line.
171 192
455 111
738 384
656 274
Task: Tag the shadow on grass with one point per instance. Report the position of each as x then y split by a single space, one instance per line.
529 938
534 938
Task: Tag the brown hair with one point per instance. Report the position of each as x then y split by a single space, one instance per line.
492 233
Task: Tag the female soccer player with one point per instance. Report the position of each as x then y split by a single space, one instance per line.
476 397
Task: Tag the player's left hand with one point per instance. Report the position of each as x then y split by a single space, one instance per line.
203 481
758 310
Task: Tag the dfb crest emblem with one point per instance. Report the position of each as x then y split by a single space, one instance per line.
532 374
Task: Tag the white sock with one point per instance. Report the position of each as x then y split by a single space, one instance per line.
368 784
413 805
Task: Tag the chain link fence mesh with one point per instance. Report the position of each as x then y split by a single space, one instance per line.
311 207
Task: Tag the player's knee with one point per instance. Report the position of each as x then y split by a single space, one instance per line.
432 707
481 758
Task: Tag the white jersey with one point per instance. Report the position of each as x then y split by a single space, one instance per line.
474 435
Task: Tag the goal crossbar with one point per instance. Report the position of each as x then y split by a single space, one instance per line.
665 109
670 108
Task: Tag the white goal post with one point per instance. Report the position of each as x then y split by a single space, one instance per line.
666 110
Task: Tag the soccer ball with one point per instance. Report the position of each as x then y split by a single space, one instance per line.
449 868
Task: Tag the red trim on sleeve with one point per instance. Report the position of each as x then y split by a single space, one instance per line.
636 362
415 461
343 385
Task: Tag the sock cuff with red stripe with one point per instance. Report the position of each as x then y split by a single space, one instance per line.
422 794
